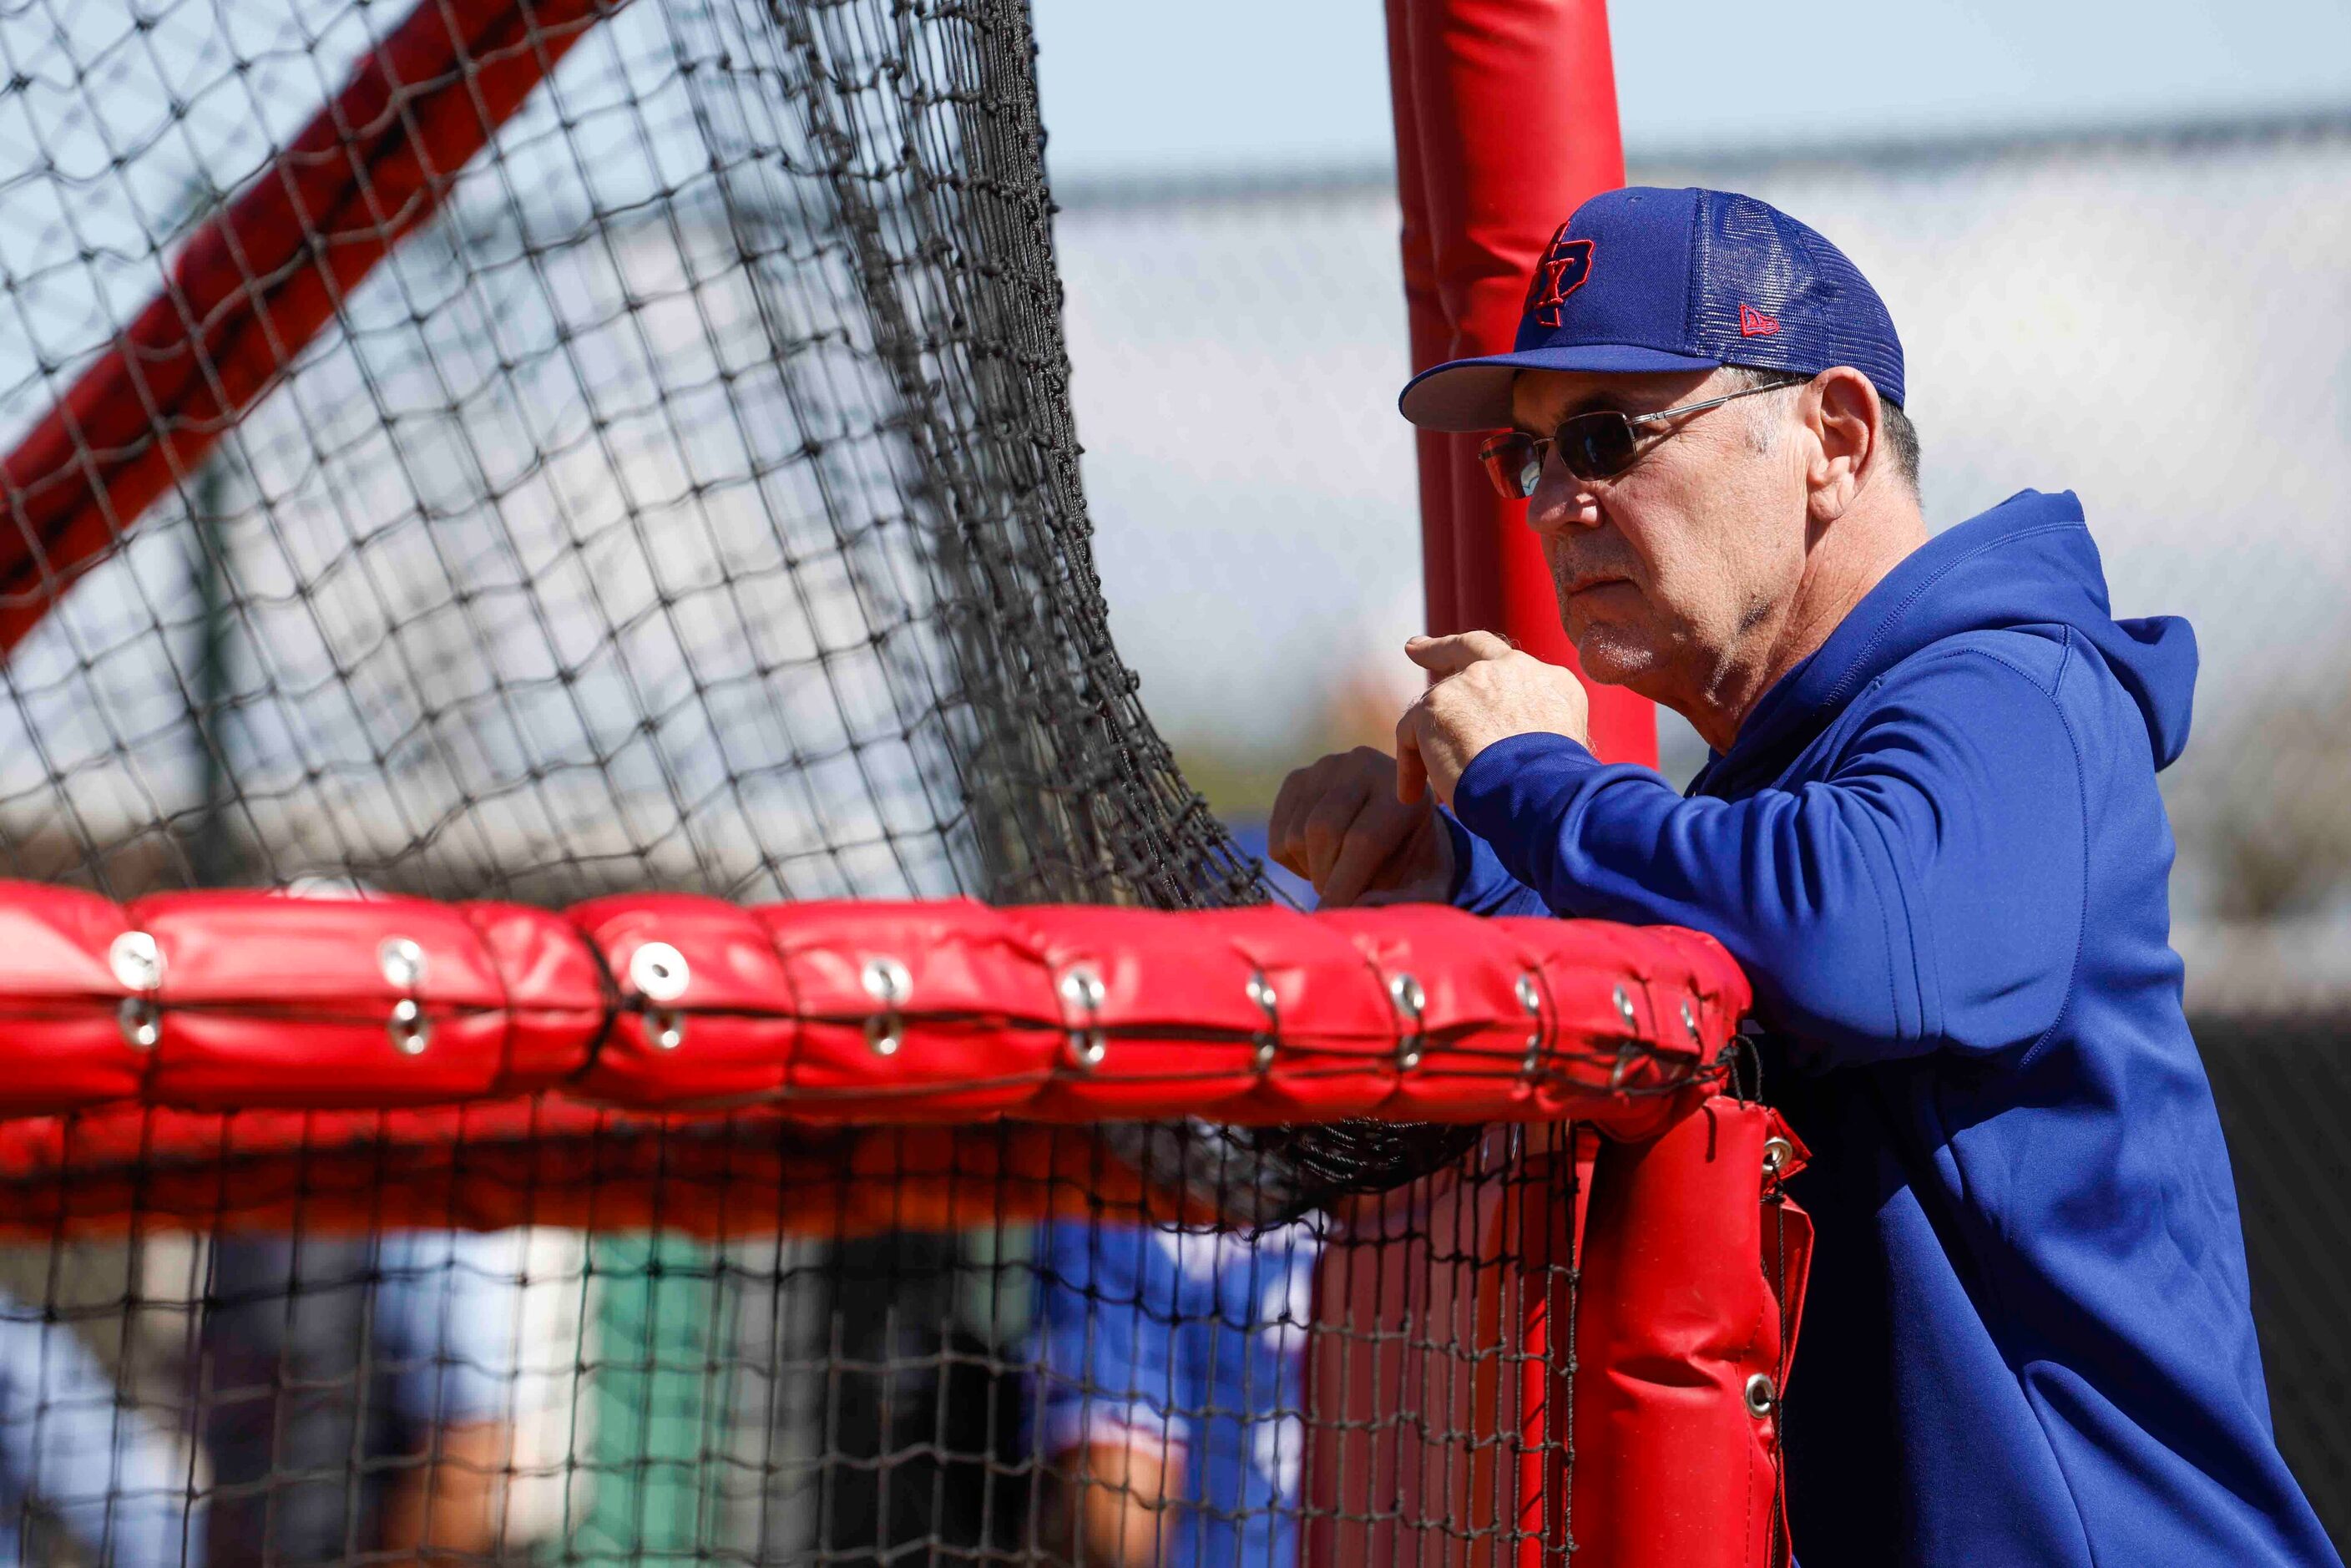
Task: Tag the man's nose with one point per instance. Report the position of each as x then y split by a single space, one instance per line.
1563 504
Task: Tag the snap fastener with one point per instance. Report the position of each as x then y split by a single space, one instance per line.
658 971
402 961
137 960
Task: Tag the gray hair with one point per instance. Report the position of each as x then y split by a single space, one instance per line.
1901 435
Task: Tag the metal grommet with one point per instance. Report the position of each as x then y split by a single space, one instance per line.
1777 1153
1082 989
1261 992
887 982
1529 994
1082 992
137 960
658 971
141 1026
402 961
1269 1002
665 1027
410 1029
1761 1396
1410 1002
1410 999
1531 1066
1624 1011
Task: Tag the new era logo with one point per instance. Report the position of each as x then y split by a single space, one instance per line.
1565 267
1753 323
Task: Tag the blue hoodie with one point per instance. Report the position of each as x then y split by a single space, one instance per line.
1938 848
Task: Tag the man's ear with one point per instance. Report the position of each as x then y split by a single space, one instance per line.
1848 424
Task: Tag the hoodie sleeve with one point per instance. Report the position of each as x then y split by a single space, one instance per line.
1926 893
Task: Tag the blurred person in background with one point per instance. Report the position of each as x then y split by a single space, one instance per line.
85 1475
1170 1393
401 1347
1929 831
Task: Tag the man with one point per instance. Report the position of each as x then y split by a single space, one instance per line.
1929 830
1171 1368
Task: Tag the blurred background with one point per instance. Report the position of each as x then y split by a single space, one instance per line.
2120 259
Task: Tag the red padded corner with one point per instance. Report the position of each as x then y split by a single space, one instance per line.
737 1029
934 1010
1634 1017
557 996
275 1000
59 996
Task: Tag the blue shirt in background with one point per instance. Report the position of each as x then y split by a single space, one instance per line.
1187 1340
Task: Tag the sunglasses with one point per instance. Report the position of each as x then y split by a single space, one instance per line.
1592 445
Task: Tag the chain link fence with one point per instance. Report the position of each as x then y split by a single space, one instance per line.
2156 320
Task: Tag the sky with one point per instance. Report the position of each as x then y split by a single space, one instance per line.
1255 84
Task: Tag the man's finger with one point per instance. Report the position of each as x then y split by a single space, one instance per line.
1412 772
1443 656
1282 822
1417 873
1379 832
1327 822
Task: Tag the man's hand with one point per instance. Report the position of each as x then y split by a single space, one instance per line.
1341 824
1486 691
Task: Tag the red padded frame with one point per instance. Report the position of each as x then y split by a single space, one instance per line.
258 1000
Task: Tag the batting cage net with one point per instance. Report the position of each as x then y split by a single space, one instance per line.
544 548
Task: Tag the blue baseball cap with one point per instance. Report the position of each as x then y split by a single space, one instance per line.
1650 279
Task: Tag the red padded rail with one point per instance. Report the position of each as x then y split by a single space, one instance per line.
900 1012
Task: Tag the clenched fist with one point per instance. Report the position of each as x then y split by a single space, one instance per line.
1485 691
1341 823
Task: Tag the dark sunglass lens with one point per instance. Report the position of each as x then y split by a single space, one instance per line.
1596 445
1513 462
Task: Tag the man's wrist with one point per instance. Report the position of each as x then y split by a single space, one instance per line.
1485 798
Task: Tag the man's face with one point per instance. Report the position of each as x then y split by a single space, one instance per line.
1665 571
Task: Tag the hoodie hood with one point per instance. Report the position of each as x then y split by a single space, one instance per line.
2028 564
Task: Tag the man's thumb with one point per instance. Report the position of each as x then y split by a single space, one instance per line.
1444 656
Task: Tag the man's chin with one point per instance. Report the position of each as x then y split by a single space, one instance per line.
1610 656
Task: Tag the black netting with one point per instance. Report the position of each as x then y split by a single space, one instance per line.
688 500
691 503
737 1373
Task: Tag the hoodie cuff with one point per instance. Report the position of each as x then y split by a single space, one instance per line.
1513 792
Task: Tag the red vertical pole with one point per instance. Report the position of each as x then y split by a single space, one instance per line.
1430 333
1506 122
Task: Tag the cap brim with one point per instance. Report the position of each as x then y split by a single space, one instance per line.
1475 394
